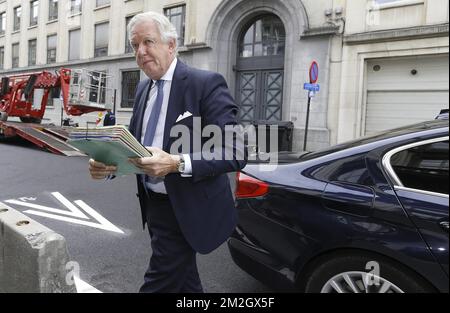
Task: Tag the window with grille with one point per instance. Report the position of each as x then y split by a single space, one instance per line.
130 81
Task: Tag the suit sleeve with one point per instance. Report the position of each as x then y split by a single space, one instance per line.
218 108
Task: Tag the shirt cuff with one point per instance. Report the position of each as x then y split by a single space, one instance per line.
187 166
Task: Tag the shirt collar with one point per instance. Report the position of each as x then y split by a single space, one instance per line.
169 74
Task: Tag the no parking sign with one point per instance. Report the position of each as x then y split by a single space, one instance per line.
314 72
313 87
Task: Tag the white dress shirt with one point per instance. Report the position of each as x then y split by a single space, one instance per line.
159 133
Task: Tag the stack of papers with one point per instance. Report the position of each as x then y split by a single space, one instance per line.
111 145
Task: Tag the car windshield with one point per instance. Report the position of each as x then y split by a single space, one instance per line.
376 137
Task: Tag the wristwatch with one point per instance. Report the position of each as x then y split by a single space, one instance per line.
181 165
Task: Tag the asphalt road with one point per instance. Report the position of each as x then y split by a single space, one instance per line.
109 261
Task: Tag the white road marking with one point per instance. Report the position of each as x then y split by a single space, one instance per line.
68 205
103 223
74 221
25 199
84 287
97 216
74 211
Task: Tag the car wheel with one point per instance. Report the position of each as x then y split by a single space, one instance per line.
363 274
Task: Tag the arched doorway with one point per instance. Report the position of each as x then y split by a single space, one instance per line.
260 69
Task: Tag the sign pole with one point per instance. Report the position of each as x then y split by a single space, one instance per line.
307 122
312 88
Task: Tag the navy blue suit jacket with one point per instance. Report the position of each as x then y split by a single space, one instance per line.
203 204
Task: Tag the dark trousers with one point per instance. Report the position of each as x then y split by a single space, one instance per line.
173 265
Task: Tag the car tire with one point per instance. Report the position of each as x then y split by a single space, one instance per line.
348 273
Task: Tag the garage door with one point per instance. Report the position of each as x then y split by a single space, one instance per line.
404 91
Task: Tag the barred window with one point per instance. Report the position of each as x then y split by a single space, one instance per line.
130 81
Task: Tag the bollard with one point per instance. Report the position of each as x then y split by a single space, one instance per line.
33 258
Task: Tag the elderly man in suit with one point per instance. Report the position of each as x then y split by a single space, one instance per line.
185 199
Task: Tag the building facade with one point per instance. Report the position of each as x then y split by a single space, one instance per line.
383 63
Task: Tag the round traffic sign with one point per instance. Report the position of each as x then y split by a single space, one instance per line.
314 72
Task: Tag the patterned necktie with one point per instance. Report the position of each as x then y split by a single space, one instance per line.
154 116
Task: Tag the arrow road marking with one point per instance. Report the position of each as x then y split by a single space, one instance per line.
103 223
98 217
73 210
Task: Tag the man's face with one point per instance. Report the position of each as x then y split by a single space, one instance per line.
152 55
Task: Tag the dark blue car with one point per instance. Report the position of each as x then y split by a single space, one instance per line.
365 216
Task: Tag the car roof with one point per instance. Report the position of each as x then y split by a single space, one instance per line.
427 127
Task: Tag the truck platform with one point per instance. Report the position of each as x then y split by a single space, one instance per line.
46 136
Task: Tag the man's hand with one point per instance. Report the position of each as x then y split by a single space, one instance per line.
99 170
159 164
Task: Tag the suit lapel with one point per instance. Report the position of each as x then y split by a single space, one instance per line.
176 100
141 109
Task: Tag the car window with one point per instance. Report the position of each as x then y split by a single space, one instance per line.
423 167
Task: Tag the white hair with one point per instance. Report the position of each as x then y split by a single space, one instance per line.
166 29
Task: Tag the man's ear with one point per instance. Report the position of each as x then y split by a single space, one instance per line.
172 45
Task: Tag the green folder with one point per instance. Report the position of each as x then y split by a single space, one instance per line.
111 146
